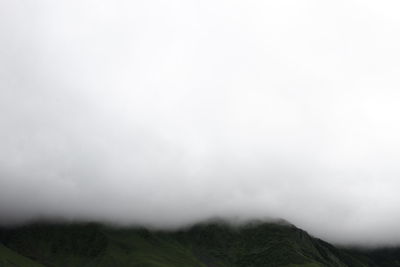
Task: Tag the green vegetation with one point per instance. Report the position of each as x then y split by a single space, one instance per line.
213 244
11 258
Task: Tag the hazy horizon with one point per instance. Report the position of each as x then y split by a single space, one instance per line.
170 112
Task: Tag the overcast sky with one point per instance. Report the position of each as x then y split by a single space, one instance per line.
169 112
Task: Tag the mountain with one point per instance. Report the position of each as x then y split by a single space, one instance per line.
210 244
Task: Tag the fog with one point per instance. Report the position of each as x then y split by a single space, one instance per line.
166 113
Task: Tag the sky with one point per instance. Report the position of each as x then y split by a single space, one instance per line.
166 113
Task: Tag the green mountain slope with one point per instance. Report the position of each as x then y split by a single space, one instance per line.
11 258
203 245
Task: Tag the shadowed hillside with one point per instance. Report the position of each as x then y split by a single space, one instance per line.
213 244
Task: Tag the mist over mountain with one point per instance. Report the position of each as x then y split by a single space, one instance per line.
166 113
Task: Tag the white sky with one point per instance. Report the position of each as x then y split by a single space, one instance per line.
169 112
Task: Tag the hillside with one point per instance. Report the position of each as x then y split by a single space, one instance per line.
213 244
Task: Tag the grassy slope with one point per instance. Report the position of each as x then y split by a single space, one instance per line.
203 245
11 258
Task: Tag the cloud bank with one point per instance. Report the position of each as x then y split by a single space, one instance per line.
169 112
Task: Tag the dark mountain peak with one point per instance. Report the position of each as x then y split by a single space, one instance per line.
213 243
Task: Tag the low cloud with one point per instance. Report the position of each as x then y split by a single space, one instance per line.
170 112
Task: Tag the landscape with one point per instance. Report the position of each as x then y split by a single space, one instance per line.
199 133
215 243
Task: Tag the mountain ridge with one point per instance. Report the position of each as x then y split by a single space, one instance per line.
214 243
